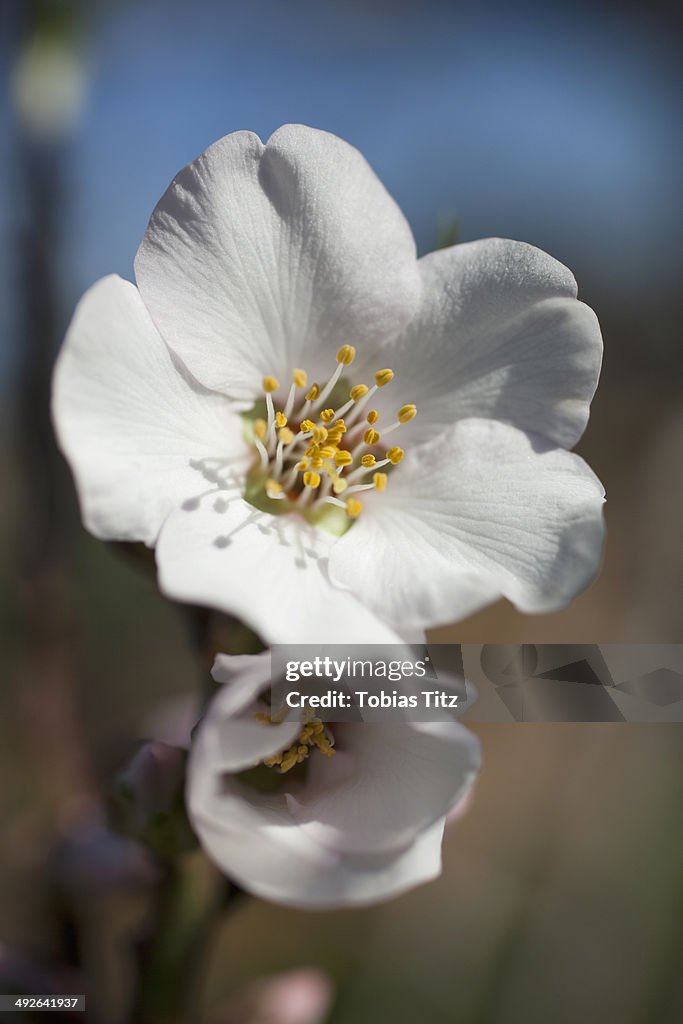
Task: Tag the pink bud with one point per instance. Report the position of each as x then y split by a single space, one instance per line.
296 997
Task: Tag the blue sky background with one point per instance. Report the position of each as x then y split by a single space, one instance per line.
557 124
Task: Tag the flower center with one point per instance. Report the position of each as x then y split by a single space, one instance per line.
321 449
314 735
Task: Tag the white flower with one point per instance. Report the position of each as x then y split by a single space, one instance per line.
272 273
362 824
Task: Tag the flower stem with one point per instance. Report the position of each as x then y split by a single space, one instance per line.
191 899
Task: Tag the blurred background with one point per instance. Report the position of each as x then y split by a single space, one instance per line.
558 124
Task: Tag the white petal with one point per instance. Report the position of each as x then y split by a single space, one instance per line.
232 668
259 259
385 782
234 738
129 420
484 511
500 334
253 839
270 571
277 862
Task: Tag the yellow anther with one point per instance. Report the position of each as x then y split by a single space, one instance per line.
346 355
336 431
407 413
313 736
383 377
316 449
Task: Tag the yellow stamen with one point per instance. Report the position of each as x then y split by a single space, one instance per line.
313 736
406 413
383 377
346 355
299 444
